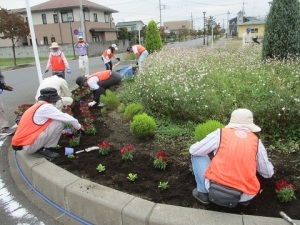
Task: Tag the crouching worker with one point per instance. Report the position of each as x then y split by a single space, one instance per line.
230 177
41 125
98 83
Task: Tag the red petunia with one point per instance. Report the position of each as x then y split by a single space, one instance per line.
161 155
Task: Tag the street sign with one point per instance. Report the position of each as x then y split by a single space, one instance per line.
213 23
76 31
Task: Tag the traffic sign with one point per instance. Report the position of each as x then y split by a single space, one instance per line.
76 31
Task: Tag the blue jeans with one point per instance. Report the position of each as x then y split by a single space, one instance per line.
200 164
142 58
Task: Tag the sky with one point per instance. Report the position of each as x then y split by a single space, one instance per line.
171 10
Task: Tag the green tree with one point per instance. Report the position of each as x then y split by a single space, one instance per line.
122 33
282 30
153 40
13 27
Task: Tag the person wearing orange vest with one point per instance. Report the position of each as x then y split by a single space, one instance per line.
41 126
141 54
238 155
57 61
98 83
108 54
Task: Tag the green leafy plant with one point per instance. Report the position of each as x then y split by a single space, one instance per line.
90 129
110 99
70 156
153 40
121 108
89 119
127 153
131 110
163 185
74 141
104 148
143 126
285 191
100 168
132 177
203 129
160 161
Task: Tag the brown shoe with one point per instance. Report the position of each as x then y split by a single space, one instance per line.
201 197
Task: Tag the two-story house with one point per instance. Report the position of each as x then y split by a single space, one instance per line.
59 21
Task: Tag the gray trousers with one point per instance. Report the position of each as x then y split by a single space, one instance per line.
48 138
3 119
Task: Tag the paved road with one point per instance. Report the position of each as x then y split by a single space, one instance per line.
24 207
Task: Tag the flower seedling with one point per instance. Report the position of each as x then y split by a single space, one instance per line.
100 168
160 161
104 148
132 177
285 191
90 129
163 185
127 153
89 119
22 108
74 141
71 156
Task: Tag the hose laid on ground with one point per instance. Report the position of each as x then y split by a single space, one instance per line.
45 198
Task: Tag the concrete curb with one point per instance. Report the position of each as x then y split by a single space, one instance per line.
98 204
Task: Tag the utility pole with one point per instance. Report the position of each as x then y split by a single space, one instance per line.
204 29
161 7
228 23
82 27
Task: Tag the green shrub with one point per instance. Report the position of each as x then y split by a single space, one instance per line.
110 99
121 108
203 129
132 110
143 126
153 40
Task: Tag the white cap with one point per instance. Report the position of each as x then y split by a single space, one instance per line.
114 46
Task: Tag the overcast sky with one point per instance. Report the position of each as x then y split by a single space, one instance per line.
171 10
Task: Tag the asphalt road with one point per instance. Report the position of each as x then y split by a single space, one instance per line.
25 207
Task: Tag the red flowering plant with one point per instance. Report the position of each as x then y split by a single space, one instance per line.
160 161
90 129
22 108
285 191
89 119
127 153
67 109
104 148
74 141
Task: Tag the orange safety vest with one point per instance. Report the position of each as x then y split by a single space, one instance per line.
57 64
103 75
234 165
28 131
140 49
107 55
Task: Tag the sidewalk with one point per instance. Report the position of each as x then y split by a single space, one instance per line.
98 204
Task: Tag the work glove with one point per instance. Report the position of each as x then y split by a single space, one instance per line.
118 59
1 90
69 71
7 88
46 71
91 104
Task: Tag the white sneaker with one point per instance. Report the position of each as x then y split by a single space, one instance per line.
6 131
101 104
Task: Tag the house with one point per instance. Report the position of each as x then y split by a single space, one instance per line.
59 21
177 26
234 22
257 28
131 25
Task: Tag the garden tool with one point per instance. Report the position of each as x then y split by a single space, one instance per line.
116 64
287 218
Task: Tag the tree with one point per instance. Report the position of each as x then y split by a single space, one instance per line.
122 33
153 41
13 26
282 30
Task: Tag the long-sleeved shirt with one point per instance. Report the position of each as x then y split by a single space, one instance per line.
81 48
56 82
211 144
247 39
56 53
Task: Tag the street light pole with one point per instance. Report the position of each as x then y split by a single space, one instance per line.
204 30
72 37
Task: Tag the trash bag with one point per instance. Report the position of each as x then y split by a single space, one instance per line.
126 71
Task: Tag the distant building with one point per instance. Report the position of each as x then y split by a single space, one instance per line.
177 26
131 25
59 20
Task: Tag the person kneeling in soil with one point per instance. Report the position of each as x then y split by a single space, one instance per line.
41 125
230 177
98 83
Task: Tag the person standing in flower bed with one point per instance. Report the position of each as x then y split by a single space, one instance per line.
98 83
57 61
41 126
60 84
140 52
108 54
230 177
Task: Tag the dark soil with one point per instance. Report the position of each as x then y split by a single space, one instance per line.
112 128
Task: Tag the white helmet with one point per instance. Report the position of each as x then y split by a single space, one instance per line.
114 46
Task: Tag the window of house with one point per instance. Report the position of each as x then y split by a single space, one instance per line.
52 39
66 16
45 40
254 30
183 26
55 18
95 17
106 17
96 38
44 18
86 15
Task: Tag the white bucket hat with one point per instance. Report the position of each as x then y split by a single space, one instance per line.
242 118
54 45
114 46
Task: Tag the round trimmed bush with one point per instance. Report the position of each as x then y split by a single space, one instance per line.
203 129
143 126
132 110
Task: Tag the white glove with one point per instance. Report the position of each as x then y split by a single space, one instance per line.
90 104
